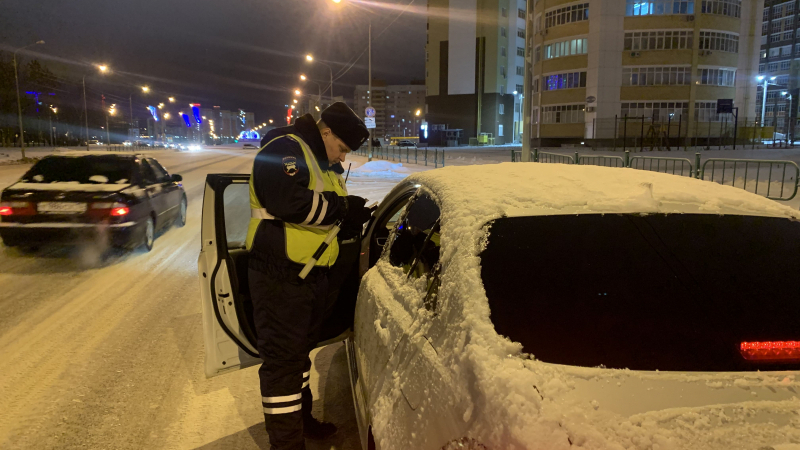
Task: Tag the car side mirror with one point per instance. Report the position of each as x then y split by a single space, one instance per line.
176 178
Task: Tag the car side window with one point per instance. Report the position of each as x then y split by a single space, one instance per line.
160 172
148 174
416 241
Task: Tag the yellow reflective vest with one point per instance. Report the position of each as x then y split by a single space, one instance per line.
302 240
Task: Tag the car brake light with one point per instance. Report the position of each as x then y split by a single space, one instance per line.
771 351
16 208
114 209
120 211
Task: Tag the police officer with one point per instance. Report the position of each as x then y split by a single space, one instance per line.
296 194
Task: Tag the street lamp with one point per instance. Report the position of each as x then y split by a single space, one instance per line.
297 92
788 122
310 58
103 69
145 89
172 99
19 104
764 95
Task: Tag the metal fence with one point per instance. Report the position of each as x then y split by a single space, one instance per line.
675 132
409 155
773 179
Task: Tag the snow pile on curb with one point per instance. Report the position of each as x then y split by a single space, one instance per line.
381 169
505 401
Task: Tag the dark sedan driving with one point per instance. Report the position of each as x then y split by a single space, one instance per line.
85 196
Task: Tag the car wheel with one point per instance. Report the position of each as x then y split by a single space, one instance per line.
181 220
149 234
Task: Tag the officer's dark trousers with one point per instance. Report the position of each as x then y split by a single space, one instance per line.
288 315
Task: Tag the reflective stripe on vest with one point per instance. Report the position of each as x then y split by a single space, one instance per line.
302 240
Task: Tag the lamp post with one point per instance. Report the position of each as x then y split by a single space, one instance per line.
108 132
788 122
19 104
310 58
103 69
764 95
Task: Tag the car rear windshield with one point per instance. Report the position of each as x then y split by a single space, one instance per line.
676 292
84 169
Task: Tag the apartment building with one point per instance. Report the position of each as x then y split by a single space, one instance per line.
780 48
475 67
398 108
597 61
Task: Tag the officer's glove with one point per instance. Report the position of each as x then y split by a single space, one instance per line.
355 217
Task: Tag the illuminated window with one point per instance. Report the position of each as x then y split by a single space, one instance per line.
566 48
568 80
658 7
717 77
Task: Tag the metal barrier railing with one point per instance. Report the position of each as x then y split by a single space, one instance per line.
424 156
780 177
674 166
604 161
775 180
546 157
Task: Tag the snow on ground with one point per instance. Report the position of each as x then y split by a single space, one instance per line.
109 353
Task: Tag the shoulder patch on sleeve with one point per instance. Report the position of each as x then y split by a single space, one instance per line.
290 165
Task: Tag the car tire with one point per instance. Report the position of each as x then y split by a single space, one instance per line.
149 234
181 219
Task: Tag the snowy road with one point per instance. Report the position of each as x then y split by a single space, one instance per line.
108 355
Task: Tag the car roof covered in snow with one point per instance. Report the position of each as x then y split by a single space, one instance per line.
75 154
488 191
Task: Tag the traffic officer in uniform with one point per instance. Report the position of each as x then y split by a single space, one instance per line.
296 194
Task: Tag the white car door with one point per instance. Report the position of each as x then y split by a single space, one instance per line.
229 330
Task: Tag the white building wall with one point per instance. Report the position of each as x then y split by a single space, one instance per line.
749 50
461 37
604 72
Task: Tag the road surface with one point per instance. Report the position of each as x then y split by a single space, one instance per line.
108 353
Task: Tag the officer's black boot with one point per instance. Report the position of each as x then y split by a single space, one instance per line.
312 428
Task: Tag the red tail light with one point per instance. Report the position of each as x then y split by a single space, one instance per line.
112 209
120 211
778 351
17 209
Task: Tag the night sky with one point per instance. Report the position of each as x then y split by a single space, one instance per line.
229 53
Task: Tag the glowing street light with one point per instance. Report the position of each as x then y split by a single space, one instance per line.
297 92
270 120
145 89
294 101
103 68
418 112
172 99
166 115
303 77
309 58
160 106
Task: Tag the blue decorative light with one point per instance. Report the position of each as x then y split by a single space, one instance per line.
153 112
186 119
196 113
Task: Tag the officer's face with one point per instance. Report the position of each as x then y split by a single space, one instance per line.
334 147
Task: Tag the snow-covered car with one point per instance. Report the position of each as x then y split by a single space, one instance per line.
77 197
545 306
248 145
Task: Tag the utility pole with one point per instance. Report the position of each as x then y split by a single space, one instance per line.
369 89
527 100
19 104
85 115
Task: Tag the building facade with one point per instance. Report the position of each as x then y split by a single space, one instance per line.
596 62
475 67
398 108
780 48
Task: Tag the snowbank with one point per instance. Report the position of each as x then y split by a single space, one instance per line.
506 401
381 169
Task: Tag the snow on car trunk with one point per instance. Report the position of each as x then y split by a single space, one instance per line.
512 402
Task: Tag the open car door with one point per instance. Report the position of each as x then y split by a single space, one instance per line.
229 330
